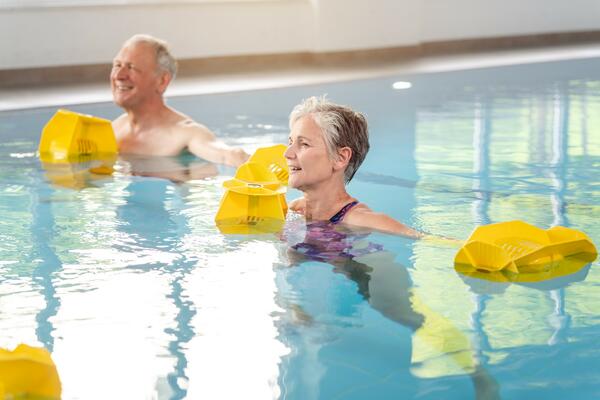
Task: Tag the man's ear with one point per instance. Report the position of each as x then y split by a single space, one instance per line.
163 83
344 155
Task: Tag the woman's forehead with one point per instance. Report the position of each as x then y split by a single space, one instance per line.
307 127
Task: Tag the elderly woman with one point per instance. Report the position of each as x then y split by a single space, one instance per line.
327 144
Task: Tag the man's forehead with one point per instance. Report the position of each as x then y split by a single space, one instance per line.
137 50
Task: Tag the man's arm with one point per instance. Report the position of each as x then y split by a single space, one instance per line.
203 143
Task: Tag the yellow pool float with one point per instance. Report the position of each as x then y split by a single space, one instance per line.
272 158
72 137
520 248
28 373
254 200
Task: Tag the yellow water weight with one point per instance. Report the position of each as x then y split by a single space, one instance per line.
72 137
518 247
272 158
254 200
28 373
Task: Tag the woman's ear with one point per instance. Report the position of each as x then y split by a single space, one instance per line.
344 154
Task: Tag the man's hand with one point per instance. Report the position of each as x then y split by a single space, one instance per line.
236 157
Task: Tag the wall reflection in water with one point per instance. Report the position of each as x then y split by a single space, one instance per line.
528 160
128 281
132 298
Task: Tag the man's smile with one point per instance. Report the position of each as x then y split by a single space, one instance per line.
123 88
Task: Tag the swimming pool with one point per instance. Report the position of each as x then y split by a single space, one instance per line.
138 296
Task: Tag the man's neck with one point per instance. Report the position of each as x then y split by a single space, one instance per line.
147 116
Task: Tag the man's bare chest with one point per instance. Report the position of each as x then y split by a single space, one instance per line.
157 143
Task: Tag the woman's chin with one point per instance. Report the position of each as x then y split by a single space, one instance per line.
293 184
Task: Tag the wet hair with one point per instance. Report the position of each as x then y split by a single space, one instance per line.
341 127
165 61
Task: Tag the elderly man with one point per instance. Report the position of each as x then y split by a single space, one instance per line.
140 74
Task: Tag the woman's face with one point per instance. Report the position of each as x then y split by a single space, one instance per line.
307 156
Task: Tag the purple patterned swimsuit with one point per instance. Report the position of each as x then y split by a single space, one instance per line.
323 242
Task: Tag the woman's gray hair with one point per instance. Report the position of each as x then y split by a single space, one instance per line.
165 61
341 127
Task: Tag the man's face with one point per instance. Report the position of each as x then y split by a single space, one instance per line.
134 78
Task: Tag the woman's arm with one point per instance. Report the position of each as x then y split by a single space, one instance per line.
364 217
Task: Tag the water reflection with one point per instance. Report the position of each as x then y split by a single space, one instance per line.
145 216
480 209
78 175
559 162
151 227
558 320
530 159
134 284
146 233
435 348
481 161
221 286
43 229
176 169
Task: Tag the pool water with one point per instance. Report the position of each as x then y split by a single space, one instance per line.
126 279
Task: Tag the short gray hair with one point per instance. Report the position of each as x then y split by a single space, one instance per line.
165 61
341 127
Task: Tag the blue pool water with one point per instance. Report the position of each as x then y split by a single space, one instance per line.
128 282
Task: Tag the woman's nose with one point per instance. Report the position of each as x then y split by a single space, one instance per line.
289 152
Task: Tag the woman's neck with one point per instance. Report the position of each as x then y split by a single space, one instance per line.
322 203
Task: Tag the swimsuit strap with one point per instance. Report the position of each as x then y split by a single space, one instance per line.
339 216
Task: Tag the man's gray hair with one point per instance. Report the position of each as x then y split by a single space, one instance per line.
165 61
341 127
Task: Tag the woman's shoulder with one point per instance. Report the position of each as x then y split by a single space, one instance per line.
361 215
298 205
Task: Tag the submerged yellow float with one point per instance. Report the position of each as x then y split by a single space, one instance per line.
516 247
28 372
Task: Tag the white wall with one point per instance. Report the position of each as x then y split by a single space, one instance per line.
90 35
40 37
363 24
464 19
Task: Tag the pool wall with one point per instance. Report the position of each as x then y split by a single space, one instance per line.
60 35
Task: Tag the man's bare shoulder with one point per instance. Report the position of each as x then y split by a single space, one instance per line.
119 125
120 119
194 129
